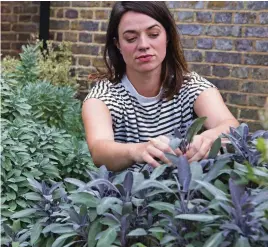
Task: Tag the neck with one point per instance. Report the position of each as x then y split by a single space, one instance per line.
147 84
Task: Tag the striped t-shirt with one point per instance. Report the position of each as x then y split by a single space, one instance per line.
137 118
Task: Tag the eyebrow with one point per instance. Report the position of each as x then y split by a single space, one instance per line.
134 31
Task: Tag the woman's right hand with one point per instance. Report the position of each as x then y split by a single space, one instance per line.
153 151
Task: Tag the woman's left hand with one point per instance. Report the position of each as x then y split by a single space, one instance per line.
199 148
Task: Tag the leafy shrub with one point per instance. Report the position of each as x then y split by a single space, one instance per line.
178 205
52 64
42 132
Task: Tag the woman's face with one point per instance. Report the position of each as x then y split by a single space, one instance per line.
142 42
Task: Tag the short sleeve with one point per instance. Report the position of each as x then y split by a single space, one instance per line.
197 84
104 91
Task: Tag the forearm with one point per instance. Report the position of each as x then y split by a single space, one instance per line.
223 127
115 156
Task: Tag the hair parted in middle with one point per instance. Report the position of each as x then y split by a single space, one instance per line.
174 66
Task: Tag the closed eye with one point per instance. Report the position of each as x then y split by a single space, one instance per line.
131 40
154 35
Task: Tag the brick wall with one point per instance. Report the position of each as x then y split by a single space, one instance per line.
226 42
19 23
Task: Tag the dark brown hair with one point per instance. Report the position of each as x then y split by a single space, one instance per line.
174 66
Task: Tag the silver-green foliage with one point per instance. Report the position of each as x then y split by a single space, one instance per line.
42 136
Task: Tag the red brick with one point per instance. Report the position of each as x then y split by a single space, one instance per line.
102 14
25 28
84 61
98 62
16 46
107 3
85 49
59 25
9 18
5 46
5 8
86 14
9 53
25 9
5 27
85 25
68 36
25 18
85 37
51 35
85 3
60 3
99 38
8 36
71 13
24 37
60 13
52 13
36 18
59 36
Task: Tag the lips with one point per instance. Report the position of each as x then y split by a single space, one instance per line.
145 58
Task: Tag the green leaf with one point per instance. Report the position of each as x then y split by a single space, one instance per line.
166 239
58 228
242 242
216 168
85 199
158 171
157 229
137 232
107 238
94 229
214 240
11 196
215 148
198 217
16 226
75 181
33 196
194 128
13 186
35 232
256 171
50 241
197 174
61 239
218 194
109 203
146 184
15 244
163 206
24 213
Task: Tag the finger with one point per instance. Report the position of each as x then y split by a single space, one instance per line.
156 153
202 152
191 151
194 147
178 152
164 147
150 160
164 139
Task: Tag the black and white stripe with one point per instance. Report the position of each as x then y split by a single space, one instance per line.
137 119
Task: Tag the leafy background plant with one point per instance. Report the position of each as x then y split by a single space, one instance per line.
53 196
41 126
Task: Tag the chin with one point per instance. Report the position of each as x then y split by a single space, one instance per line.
147 68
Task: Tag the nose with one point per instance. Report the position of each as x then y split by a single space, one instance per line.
143 44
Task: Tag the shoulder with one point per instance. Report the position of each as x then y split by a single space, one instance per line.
104 89
195 82
193 78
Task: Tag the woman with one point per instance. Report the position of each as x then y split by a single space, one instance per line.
150 92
